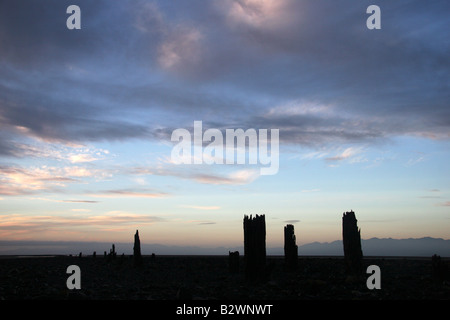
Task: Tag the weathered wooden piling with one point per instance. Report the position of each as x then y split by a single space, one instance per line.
254 246
351 237
112 253
137 257
290 248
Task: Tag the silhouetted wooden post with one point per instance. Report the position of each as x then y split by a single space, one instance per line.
351 237
254 246
112 253
137 250
290 248
233 261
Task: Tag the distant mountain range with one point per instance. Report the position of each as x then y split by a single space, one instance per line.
383 247
421 247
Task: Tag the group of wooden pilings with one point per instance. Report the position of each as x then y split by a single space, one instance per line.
137 256
255 247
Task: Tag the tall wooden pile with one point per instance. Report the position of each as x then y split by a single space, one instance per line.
254 246
137 257
290 248
351 237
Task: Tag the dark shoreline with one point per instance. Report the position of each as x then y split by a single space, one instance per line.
22 256
208 278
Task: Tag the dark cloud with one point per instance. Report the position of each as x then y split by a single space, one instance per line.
139 69
35 35
6 147
53 118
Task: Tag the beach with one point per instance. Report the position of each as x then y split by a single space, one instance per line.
209 278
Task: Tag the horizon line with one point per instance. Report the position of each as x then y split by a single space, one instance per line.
174 245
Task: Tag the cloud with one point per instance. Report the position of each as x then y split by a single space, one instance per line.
258 14
183 47
130 193
200 222
292 221
17 223
444 204
148 18
16 180
21 181
302 67
333 156
80 201
28 145
42 29
201 207
80 158
177 46
69 201
235 178
418 158
346 154
311 155
199 173
430 197
61 125
317 125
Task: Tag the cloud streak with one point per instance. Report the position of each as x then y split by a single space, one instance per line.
21 181
207 208
193 173
130 193
16 180
346 154
17 223
444 204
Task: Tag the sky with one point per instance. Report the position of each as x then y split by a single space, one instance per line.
87 116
